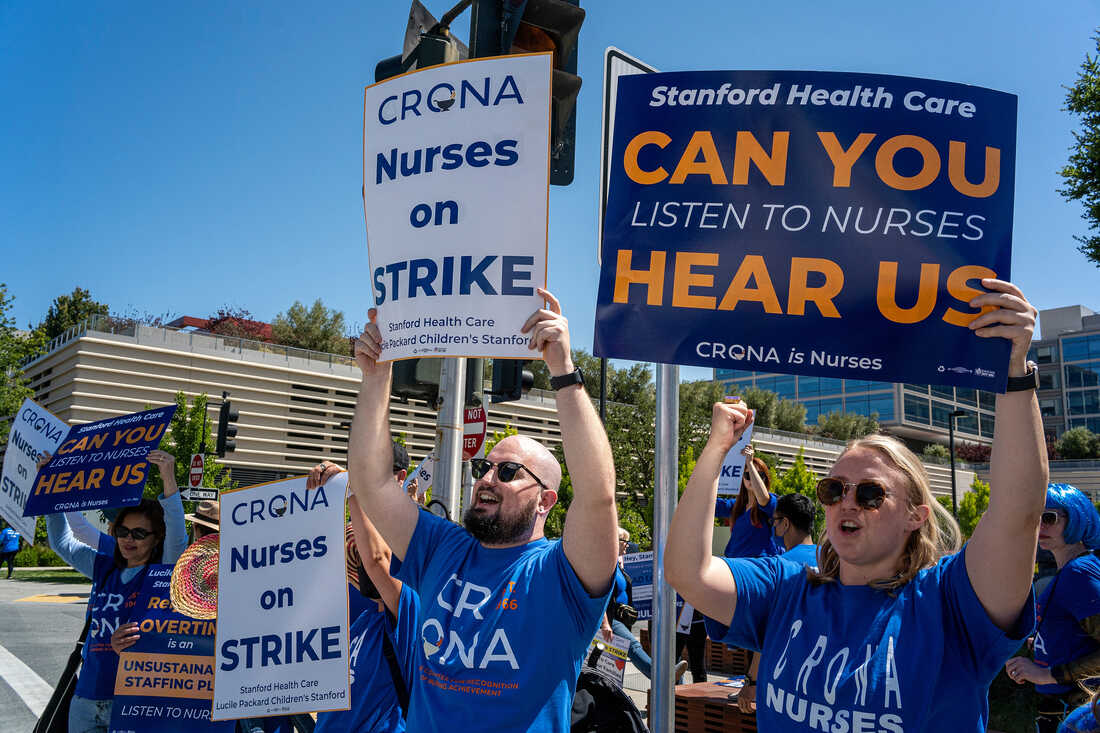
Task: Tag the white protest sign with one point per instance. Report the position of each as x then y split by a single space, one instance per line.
282 637
612 658
422 474
34 431
733 466
456 169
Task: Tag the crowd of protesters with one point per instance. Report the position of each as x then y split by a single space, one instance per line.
889 623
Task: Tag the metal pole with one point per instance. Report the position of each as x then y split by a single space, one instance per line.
951 448
662 634
447 485
603 390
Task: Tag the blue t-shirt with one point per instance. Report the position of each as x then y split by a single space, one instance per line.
1069 599
851 658
618 590
9 540
502 632
1080 720
802 555
111 603
374 702
747 540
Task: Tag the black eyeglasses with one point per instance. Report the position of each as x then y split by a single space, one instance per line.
1050 517
869 494
137 533
506 470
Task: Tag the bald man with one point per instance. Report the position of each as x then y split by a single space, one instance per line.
506 615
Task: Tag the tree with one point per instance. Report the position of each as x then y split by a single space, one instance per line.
973 452
14 348
316 328
773 412
846 425
237 323
183 439
498 435
972 506
1078 443
69 310
790 416
1082 173
935 450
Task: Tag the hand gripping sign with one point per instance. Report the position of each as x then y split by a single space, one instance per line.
99 464
456 170
803 222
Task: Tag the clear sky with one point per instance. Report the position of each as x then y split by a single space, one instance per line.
175 158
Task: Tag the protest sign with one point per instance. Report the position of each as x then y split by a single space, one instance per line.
282 637
807 223
34 431
612 656
99 464
456 169
733 466
165 681
422 475
639 566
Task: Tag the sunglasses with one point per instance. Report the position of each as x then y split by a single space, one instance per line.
1050 517
137 533
869 494
506 470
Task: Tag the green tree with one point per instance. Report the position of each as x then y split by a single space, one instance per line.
799 479
972 506
846 425
316 328
69 310
790 416
498 435
14 348
184 438
773 412
1078 443
935 450
1081 174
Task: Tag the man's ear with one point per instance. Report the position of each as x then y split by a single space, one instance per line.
547 499
401 476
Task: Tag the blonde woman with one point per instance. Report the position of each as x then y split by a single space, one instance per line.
898 630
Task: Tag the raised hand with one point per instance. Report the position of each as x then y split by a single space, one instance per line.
728 421
549 332
367 348
1012 318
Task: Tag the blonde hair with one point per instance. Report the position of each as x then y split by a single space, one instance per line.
939 535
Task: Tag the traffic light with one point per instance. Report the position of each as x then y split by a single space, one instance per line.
419 379
226 431
428 42
510 380
500 27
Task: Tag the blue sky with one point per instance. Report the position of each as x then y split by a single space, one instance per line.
180 157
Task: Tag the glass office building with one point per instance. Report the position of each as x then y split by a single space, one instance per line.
1069 389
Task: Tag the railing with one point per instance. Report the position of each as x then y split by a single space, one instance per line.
148 334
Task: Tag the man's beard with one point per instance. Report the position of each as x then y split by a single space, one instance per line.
501 529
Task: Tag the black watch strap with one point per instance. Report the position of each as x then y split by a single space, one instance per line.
567 380
1030 379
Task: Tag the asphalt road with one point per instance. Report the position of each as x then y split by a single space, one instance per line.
39 623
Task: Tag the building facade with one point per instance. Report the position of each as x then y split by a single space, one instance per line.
1068 355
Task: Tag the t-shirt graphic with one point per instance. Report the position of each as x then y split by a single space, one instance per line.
111 603
502 632
1069 599
374 702
845 659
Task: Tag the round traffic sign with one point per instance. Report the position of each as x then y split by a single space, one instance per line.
473 434
195 476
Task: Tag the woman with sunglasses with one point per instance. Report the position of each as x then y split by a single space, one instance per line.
896 631
150 532
1067 639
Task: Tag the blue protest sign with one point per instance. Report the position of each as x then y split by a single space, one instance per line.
100 464
639 566
165 681
807 222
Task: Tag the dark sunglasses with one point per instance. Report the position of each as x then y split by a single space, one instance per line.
506 470
1050 517
137 533
869 494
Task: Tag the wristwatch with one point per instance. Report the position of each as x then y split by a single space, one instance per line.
567 380
1030 379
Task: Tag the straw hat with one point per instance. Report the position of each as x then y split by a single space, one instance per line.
208 513
194 589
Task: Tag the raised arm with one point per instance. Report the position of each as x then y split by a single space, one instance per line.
71 550
375 554
758 490
370 449
702 579
590 538
1000 556
175 525
83 530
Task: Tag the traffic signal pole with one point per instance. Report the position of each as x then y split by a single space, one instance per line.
447 483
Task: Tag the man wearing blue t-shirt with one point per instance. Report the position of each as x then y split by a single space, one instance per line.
507 615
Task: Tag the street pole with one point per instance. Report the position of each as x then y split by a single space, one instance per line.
447 484
603 390
662 633
951 448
